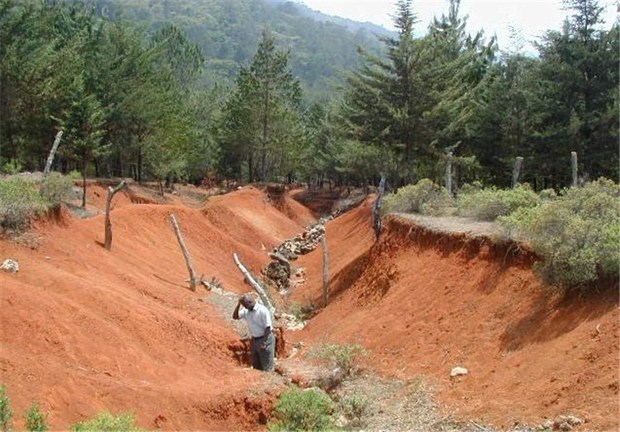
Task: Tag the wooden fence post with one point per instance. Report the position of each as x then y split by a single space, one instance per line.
325 271
193 279
516 171
108 223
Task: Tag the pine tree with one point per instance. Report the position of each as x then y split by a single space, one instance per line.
261 119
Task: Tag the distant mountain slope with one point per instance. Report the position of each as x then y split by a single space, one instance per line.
228 32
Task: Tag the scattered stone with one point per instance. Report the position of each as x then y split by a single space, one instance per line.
10 266
456 371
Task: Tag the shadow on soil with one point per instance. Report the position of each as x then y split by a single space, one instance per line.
555 314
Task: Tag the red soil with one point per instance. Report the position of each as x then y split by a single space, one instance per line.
83 329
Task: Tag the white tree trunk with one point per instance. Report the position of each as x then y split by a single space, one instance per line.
257 287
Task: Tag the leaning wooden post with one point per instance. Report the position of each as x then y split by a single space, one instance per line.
108 224
573 162
193 278
516 171
257 287
50 157
376 211
449 173
325 271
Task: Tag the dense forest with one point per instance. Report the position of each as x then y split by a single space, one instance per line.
259 90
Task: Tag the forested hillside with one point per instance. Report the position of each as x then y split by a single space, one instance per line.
183 90
228 32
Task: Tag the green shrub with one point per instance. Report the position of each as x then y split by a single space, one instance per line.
577 234
424 197
5 410
54 188
74 175
490 203
355 407
12 167
19 202
301 311
344 357
35 419
106 422
303 410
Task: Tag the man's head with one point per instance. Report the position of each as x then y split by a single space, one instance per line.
247 301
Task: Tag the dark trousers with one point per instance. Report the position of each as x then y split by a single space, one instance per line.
262 358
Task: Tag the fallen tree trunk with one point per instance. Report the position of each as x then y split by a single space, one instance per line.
193 279
257 287
108 224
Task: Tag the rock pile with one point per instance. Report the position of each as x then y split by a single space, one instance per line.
279 269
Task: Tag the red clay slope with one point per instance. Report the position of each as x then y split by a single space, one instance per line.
429 302
84 329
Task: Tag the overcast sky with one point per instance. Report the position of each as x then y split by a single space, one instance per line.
531 17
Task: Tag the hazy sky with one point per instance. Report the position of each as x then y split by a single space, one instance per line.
531 17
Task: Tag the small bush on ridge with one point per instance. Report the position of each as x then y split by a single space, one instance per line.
577 234
303 410
424 197
54 188
490 203
20 201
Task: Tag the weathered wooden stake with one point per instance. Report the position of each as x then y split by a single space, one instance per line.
449 173
516 171
194 280
108 224
50 157
376 211
573 162
325 271
257 287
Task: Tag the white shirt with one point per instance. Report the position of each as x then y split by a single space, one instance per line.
258 319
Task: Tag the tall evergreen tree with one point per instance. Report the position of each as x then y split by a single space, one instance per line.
261 118
578 91
385 99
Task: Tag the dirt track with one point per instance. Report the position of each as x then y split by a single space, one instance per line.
84 329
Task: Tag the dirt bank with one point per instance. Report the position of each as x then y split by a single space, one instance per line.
427 301
83 329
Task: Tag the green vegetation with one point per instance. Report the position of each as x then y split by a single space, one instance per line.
54 188
424 197
169 91
35 419
107 422
355 407
487 204
303 410
6 415
577 234
346 357
20 201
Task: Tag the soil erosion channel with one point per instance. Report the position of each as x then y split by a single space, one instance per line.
84 329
